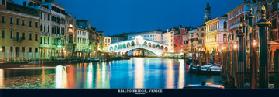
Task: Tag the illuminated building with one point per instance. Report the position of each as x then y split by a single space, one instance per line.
82 48
70 37
174 38
20 32
193 40
216 30
178 38
107 42
274 33
93 41
215 33
100 40
168 38
53 28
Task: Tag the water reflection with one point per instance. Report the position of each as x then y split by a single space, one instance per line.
134 73
70 71
61 77
181 74
90 76
170 75
2 77
103 76
139 73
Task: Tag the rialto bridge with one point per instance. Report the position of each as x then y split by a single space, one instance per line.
138 43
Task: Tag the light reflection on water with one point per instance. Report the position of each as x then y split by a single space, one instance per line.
2 78
133 73
139 73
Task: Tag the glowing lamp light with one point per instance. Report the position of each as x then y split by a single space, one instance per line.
223 48
235 46
71 25
254 43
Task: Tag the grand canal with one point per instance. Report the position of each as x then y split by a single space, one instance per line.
132 73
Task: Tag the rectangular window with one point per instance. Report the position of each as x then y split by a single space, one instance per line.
41 41
23 49
30 23
17 21
36 37
48 40
45 40
17 36
30 50
3 19
11 50
23 36
48 17
11 20
11 34
3 2
30 36
47 28
22 23
36 24
17 51
3 49
41 28
36 50
3 34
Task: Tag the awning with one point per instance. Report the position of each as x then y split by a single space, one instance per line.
273 45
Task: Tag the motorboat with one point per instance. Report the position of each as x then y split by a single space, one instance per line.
215 68
204 85
205 68
194 68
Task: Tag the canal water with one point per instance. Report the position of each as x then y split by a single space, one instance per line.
133 73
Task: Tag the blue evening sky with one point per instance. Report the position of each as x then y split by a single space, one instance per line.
118 16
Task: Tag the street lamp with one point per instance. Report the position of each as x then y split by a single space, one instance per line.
263 25
234 63
241 52
235 46
254 43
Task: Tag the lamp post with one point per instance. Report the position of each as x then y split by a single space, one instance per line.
223 63
276 68
253 53
241 54
234 64
263 25
254 63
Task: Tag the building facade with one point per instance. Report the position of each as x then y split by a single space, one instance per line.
178 39
70 35
168 39
215 38
82 48
107 42
20 32
216 30
53 28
